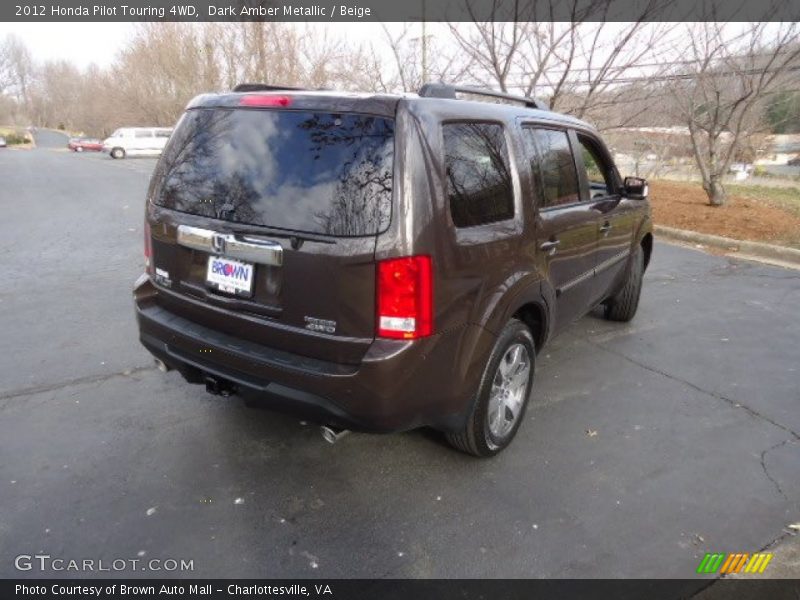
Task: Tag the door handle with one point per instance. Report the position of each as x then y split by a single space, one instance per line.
550 246
605 227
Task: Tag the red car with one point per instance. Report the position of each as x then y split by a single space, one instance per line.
81 144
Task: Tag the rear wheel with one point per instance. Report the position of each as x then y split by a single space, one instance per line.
78 149
622 305
117 153
502 395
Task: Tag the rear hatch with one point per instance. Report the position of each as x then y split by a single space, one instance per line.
263 220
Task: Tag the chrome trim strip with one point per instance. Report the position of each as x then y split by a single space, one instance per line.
195 238
226 244
573 282
610 262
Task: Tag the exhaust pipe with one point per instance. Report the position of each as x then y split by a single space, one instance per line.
219 387
161 365
332 435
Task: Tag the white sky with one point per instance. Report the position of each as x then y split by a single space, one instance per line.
86 43
80 43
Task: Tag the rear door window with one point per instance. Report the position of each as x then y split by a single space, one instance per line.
478 177
553 161
311 172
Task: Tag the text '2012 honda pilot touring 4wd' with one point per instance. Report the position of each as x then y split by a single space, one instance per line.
383 262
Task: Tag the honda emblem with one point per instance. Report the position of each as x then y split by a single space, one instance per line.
218 243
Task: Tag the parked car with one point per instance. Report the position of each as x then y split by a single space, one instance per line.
81 144
383 262
794 162
3 143
136 141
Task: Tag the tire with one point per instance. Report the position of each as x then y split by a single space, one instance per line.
622 305
117 153
78 149
488 430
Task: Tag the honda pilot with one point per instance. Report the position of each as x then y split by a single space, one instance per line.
383 262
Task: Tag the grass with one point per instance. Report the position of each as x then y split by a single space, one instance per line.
787 198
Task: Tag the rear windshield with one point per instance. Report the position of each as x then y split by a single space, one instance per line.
309 172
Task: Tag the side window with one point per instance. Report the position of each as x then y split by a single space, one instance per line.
598 172
478 177
143 133
555 164
162 133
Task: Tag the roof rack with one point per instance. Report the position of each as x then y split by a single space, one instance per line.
263 87
444 90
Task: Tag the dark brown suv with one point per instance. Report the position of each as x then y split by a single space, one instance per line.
383 262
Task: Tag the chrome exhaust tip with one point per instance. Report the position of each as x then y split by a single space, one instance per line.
331 435
162 366
219 387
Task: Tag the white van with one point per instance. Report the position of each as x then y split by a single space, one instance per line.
137 141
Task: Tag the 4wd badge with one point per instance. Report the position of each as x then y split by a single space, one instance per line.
323 325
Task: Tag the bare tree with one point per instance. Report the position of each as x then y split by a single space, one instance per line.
7 75
719 94
16 73
577 65
495 47
417 57
164 65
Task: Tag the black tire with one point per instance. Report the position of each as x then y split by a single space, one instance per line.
622 305
117 153
476 437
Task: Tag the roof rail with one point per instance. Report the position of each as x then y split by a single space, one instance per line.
444 90
263 87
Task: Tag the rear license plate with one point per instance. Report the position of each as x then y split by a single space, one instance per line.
230 276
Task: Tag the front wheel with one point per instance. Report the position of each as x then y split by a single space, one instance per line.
117 153
622 305
502 395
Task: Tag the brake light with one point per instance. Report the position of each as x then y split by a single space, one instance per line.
148 247
262 100
405 297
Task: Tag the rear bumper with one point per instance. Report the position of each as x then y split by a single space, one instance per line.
398 385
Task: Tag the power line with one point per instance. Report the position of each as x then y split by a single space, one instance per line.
683 76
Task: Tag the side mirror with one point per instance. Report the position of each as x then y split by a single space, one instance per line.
636 188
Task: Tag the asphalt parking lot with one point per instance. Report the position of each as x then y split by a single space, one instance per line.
646 445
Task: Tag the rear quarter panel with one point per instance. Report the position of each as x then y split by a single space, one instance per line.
482 274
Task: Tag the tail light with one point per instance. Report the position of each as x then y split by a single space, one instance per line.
148 248
262 100
405 298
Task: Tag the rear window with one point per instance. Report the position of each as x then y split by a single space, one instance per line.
309 172
478 177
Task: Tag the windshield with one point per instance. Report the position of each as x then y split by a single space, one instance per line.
304 171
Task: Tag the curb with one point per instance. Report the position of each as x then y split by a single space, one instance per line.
754 249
